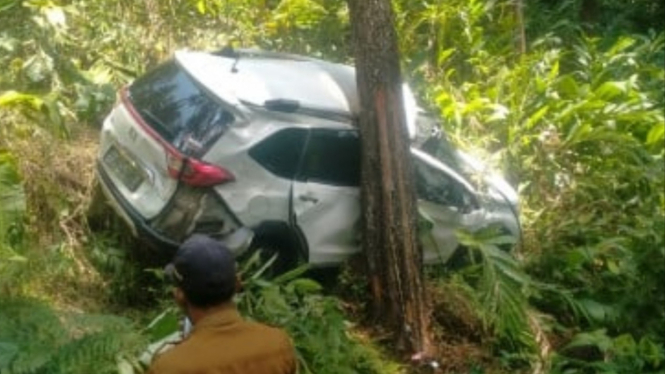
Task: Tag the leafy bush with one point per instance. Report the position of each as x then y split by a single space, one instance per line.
315 322
34 338
576 121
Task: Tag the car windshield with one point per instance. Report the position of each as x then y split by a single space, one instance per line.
439 147
181 111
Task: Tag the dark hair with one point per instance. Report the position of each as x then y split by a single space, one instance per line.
205 270
210 294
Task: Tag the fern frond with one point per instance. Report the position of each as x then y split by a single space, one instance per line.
501 287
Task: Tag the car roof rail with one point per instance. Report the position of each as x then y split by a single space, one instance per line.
231 52
295 106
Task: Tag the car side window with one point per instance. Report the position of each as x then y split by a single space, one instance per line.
436 186
332 157
280 152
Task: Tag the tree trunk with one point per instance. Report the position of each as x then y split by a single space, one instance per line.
390 241
589 13
521 33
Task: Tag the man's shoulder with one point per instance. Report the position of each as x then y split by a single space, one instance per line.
262 328
251 344
268 335
170 360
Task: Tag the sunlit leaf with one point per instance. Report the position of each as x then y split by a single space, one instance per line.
305 285
610 90
536 117
656 134
56 16
201 6
9 98
578 133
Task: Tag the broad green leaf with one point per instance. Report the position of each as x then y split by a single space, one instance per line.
596 338
578 133
305 286
597 311
444 55
201 6
613 267
623 43
17 258
651 351
9 98
625 345
291 274
568 86
165 324
7 353
610 90
656 134
536 117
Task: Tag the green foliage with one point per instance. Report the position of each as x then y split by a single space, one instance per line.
12 208
133 281
12 199
502 286
34 338
323 337
576 122
622 354
315 322
582 128
609 18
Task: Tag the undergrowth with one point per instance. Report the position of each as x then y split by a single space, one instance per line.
576 121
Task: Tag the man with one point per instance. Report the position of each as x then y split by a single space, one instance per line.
221 342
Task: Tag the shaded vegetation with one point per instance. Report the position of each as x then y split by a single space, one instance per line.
576 121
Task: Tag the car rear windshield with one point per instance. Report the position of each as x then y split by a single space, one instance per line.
180 110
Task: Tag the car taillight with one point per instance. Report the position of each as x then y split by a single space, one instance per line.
189 170
194 172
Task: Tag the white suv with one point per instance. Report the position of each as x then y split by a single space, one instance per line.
212 142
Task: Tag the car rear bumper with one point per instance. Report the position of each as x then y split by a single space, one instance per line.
139 226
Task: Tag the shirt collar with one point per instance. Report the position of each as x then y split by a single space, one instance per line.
225 315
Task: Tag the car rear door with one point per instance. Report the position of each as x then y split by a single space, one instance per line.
326 197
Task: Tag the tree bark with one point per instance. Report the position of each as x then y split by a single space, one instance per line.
390 242
521 33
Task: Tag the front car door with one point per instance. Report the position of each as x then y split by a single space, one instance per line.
445 203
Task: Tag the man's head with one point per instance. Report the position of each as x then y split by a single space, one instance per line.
203 271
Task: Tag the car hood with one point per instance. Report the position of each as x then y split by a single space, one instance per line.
495 186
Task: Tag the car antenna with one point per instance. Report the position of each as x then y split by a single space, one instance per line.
230 52
234 68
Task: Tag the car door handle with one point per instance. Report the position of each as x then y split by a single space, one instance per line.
307 198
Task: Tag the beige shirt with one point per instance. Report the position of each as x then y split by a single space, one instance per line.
223 343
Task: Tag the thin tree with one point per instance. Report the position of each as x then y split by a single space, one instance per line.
521 33
394 258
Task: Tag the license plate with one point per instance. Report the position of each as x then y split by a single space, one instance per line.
124 169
